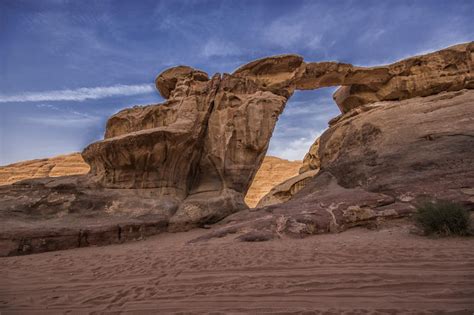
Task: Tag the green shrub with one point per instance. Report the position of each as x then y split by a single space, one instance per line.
443 218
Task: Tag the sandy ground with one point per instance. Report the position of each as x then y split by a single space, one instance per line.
356 272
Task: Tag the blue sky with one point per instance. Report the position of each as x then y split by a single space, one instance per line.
65 66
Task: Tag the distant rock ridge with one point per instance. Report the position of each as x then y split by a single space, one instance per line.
190 161
272 172
61 165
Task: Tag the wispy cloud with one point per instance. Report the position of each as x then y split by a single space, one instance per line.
216 48
68 121
293 149
54 116
289 35
80 94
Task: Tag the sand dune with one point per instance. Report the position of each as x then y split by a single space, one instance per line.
383 271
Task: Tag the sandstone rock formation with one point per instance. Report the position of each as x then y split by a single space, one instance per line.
191 160
311 160
449 69
272 172
378 161
445 70
286 190
62 165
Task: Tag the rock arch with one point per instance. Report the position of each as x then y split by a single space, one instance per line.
190 160
204 145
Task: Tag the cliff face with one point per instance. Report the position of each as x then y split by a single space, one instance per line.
190 161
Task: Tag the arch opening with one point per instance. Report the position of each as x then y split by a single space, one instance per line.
304 118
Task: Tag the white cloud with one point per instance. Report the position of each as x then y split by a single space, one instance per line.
62 117
318 108
302 29
69 121
214 48
294 149
48 106
80 94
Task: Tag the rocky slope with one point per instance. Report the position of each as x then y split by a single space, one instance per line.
62 165
190 161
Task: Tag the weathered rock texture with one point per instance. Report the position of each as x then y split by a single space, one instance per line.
311 160
445 70
272 172
62 165
449 69
191 160
376 162
286 190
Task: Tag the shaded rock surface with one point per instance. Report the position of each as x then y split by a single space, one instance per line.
376 163
311 160
190 161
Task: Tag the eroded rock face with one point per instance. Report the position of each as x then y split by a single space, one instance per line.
311 160
156 146
189 161
376 163
449 69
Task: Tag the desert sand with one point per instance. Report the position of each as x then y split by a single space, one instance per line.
359 271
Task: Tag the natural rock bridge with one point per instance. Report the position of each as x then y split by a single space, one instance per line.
190 161
200 149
